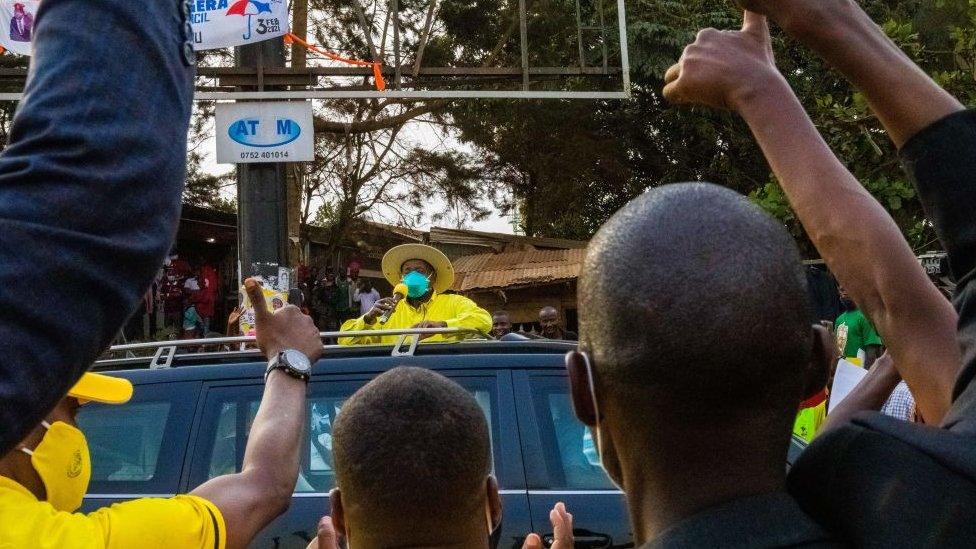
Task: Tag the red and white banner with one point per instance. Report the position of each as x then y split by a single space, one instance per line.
216 23
17 24
224 23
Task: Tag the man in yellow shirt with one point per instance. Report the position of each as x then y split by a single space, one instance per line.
427 273
44 478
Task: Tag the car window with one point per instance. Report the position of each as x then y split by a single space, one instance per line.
132 457
569 447
236 407
137 447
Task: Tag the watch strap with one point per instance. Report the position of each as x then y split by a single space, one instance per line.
277 363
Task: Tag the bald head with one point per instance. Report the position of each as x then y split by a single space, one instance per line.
694 301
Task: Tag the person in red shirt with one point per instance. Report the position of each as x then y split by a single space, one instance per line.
206 298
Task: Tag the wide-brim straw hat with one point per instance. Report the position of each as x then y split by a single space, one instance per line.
394 258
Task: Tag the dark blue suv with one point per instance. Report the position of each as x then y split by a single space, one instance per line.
188 422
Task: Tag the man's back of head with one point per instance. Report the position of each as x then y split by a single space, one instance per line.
413 459
693 308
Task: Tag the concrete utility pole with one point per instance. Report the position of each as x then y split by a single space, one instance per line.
262 204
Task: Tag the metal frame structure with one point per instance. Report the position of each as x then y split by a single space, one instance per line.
165 351
266 83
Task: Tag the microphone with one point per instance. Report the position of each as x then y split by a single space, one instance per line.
399 292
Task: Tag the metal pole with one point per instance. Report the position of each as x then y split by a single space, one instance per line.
624 57
524 44
395 8
424 36
579 35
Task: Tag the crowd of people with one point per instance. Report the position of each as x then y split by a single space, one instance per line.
334 297
695 346
187 293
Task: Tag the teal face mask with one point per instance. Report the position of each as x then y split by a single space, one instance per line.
417 284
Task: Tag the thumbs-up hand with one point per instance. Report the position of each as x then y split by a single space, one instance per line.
285 328
721 69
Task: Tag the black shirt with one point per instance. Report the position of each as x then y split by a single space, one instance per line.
882 482
769 520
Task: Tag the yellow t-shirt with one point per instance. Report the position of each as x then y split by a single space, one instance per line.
179 522
456 310
809 420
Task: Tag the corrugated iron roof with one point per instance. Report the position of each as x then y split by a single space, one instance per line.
407 232
443 235
516 269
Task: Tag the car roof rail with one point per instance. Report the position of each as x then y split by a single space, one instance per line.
164 352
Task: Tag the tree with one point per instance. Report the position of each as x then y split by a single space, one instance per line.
204 188
7 108
385 174
588 158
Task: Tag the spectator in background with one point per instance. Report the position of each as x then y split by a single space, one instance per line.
171 295
352 270
500 324
901 403
365 295
324 299
551 325
207 298
192 283
343 303
436 489
191 322
855 335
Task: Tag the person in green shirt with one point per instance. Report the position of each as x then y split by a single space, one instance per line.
854 332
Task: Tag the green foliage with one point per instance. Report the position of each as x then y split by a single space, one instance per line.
572 164
325 215
204 188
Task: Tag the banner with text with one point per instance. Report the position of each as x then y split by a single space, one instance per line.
224 23
216 23
264 131
17 24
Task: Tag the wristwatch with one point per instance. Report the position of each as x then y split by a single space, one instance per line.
292 362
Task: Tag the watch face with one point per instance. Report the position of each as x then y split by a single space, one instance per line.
297 360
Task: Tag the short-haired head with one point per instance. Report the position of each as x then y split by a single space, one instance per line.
501 323
693 302
412 457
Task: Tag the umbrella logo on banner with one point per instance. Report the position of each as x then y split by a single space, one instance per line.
247 8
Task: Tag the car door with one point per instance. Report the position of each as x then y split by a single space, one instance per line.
137 448
229 409
561 464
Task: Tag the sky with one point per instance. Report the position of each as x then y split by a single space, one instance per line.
421 133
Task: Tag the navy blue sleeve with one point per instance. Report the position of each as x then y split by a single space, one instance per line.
941 160
90 188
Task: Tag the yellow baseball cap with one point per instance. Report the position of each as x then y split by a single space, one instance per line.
102 388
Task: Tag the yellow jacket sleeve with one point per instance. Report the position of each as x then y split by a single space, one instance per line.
356 324
182 521
469 315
